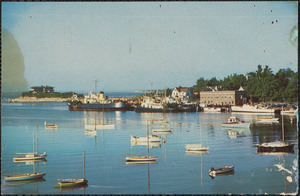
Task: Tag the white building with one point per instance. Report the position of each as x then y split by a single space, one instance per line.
181 93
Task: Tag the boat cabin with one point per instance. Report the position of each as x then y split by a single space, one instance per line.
233 119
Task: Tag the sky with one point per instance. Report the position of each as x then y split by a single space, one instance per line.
129 45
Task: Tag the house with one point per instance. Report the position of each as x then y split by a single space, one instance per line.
42 89
181 93
230 97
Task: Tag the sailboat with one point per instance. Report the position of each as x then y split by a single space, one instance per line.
71 182
31 156
25 176
196 147
142 158
51 126
278 146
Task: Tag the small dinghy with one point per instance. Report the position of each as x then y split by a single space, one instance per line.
224 170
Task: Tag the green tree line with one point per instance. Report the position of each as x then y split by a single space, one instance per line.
48 95
261 85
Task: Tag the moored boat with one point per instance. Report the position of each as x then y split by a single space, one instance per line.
196 147
30 156
224 170
253 109
235 122
25 176
151 138
140 158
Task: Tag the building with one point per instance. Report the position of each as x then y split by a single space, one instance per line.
42 89
233 97
181 93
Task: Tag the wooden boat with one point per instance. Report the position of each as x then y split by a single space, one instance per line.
72 182
51 126
151 138
142 158
235 122
196 147
33 155
278 146
25 176
224 170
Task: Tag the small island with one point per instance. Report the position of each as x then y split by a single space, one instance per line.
43 94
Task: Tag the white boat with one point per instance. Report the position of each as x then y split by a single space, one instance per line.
142 158
162 130
196 147
253 109
277 146
212 109
32 155
235 122
268 119
224 170
25 176
151 138
51 126
74 181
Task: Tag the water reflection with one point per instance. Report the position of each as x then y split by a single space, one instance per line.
151 144
71 189
30 162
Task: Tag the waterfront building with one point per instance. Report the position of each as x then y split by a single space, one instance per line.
230 97
40 89
181 93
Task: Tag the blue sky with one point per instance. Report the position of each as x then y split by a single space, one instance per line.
128 45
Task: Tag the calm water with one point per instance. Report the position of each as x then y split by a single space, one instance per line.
175 172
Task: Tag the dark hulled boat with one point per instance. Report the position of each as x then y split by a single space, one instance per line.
109 106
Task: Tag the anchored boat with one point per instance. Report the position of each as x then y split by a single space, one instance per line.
235 122
225 170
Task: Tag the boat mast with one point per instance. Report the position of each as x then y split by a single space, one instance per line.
282 124
147 139
83 165
37 138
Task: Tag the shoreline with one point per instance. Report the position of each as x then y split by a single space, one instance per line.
36 100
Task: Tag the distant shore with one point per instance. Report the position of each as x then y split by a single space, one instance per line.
35 100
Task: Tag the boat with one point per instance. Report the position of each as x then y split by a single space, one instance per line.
268 119
235 122
151 138
196 147
253 109
32 155
72 182
277 146
142 158
212 109
51 126
96 102
225 170
25 176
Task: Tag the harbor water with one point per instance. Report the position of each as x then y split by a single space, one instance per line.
176 171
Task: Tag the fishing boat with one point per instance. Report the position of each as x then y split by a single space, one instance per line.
224 170
72 182
235 122
277 146
151 138
142 158
196 147
51 126
32 155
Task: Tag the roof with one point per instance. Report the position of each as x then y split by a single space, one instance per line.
182 89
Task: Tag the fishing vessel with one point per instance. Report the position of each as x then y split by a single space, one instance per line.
142 158
277 146
71 182
235 122
224 170
32 155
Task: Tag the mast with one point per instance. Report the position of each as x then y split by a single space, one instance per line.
147 139
96 85
33 154
37 140
84 165
282 124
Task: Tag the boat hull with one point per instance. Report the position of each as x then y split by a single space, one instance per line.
196 147
114 106
72 182
151 138
30 157
269 147
238 124
140 159
225 170
20 177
